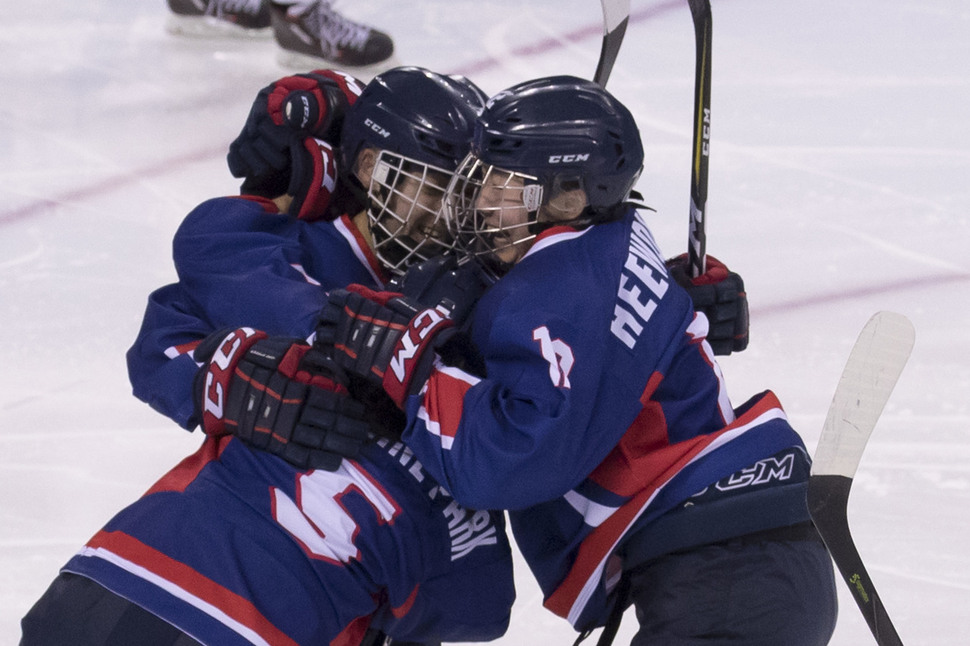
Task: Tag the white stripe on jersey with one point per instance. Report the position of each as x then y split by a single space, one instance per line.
593 513
297 266
341 225
593 581
431 425
698 328
175 590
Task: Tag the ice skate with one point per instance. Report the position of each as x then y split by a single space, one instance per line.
311 33
220 18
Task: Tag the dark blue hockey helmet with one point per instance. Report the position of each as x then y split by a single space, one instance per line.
555 150
415 113
421 124
563 129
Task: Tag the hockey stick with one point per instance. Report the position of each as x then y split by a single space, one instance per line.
870 374
700 11
616 16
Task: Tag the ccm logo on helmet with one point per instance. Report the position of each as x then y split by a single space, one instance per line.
376 127
568 159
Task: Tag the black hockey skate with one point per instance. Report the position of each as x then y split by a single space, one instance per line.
314 32
234 18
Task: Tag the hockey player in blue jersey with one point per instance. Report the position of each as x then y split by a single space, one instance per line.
236 545
594 409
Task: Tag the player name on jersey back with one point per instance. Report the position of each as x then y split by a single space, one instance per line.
643 282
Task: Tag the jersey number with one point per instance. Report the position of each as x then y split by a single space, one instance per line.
318 519
557 353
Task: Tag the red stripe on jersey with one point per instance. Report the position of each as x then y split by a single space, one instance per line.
182 348
190 584
361 249
405 607
443 403
267 204
188 469
353 634
556 230
640 457
603 540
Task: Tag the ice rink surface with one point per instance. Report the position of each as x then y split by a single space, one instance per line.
839 180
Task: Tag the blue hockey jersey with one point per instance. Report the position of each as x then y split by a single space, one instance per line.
240 262
603 423
235 545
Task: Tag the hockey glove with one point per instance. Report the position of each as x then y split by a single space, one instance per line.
719 294
441 280
383 338
313 180
279 395
276 150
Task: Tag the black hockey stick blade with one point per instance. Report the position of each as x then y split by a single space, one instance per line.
616 17
700 11
870 374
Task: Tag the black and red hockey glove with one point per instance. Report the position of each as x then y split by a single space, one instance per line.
383 338
313 179
277 150
279 395
719 294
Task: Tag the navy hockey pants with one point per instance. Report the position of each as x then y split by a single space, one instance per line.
76 611
765 589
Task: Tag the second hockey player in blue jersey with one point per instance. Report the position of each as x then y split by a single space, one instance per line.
592 406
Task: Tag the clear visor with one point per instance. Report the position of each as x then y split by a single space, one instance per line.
406 222
491 212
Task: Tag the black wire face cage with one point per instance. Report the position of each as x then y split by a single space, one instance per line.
491 212
404 212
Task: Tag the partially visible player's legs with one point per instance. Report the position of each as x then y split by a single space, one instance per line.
76 611
236 18
311 31
762 590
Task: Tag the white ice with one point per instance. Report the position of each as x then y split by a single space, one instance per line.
838 187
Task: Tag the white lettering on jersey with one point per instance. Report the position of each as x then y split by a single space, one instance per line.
558 354
643 282
319 521
467 528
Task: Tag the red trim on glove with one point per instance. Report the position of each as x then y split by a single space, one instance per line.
318 188
219 373
289 84
409 353
380 298
351 86
289 366
715 270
